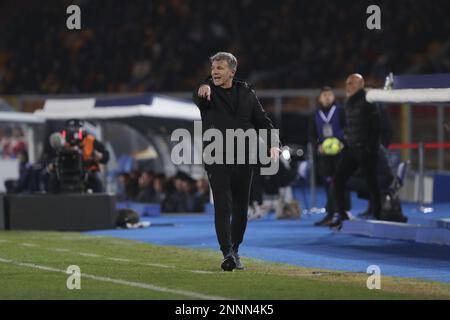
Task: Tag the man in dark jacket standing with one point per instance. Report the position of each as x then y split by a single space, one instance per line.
225 103
362 134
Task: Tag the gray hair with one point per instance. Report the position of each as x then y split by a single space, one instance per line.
219 56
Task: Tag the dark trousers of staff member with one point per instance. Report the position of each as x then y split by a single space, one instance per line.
327 167
352 159
230 186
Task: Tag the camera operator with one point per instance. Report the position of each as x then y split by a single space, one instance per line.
79 154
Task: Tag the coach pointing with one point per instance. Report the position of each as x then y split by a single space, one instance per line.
225 103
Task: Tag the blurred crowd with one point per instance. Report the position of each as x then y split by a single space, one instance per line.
12 142
163 45
179 193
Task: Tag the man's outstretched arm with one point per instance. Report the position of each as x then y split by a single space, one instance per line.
202 95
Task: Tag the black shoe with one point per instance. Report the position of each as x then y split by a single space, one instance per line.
237 260
228 264
325 221
337 225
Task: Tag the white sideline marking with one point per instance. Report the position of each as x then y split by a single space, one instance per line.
25 244
93 255
202 271
86 254
159 265
79 237
119 259
142 285
58 249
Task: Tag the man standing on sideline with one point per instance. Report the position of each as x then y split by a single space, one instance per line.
362 134
225 103
328 121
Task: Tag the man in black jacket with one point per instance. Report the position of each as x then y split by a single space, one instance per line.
225 103
362 134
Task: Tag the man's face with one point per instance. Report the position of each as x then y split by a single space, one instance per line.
123 179
158 185
221 73
202 185
326 98
179 184
145 180
186 186
353 84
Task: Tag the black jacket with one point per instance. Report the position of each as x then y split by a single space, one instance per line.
219 113
362 128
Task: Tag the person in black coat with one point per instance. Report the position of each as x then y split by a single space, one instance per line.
362 135
225 103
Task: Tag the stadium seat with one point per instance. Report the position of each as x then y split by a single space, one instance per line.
402 169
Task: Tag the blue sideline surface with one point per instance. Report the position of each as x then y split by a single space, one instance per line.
298 242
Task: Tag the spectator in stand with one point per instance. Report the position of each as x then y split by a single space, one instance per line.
146 192
126 190
141 55
134 183
192 199
203 190
159 188
183 197
175 201
18 144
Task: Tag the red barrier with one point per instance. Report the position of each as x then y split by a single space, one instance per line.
416 146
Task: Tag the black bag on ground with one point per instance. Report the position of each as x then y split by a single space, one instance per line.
127 216
391 208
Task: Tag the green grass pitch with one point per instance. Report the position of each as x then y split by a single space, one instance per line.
33 265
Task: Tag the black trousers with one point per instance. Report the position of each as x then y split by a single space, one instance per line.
230 186
327 168
256 190
93 182
352 159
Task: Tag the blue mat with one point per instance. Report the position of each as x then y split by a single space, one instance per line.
298 242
